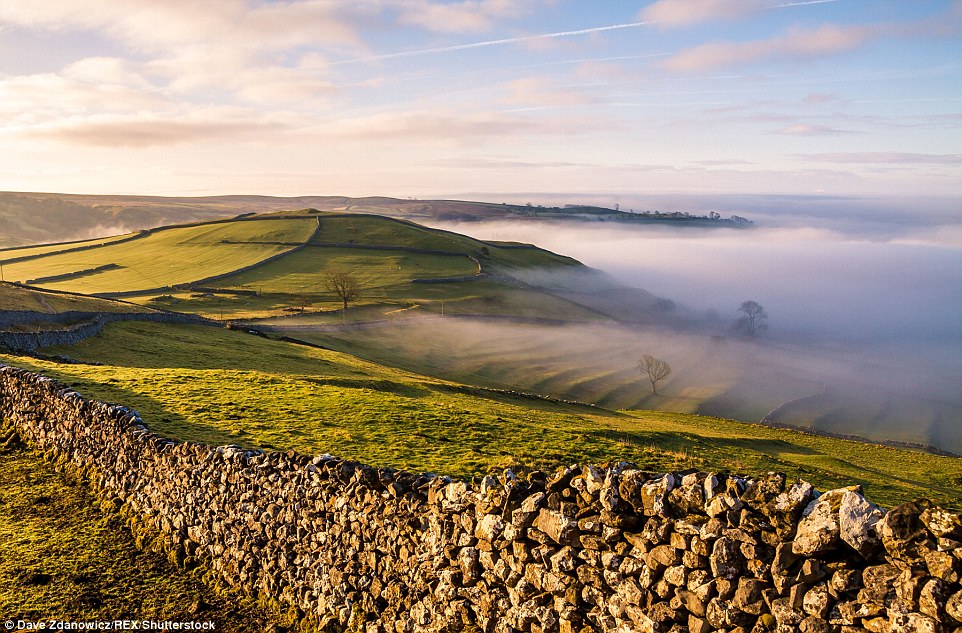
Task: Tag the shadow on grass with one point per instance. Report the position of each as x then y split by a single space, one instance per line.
527 400
384 386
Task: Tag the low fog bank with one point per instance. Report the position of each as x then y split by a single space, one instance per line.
864 301
929 219
812 280
906 393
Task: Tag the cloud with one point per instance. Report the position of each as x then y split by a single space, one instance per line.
165 25
728 162
899 158
804 129
541 91
688 12
460 17
249 48
35 98
448 126
685 12
498 164
141 131
796 45
819 97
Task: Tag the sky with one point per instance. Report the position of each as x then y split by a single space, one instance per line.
427 98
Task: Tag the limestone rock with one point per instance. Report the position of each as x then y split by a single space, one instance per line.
941 523
819 530
726 559
857 519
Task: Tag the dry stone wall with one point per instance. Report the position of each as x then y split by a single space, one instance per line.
82 325
351 547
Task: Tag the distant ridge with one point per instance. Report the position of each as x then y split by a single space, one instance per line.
34 218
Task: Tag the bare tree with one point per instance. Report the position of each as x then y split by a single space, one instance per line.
655 368
344 285
754 320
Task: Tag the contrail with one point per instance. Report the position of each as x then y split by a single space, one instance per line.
799 4
529 38
500 42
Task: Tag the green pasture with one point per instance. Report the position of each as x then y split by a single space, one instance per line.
375 230
583 362
167 257
17 298
46 249
302 272
221 387
597 362
382 231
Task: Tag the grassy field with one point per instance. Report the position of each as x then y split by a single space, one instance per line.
168 257
223 387
298 272
405 252
17 298
711 375
375 230
594 363
63 559
46 249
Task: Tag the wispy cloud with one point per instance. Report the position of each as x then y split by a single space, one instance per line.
168 25
901 158
806 129
141 131
542 91
505 163
445 126
798 44
460 17
687 12
726 162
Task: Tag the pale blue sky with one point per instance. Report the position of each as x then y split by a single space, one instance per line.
424 97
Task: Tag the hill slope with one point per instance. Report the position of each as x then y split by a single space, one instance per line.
266 265
223 387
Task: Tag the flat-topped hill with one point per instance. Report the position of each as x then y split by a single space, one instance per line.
270 265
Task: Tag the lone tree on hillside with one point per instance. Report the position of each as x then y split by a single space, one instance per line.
344 285
754 320
655 368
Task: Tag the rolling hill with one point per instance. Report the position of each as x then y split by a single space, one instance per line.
221 386
268 265
516 317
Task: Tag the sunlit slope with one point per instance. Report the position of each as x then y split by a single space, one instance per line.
589 363
301 271
45 249
400 267
374 230
165 257
712 375
27 299
383 253
864 410
220 386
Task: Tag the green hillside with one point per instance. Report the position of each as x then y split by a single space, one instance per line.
225 387
164 257
264 266
31 299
